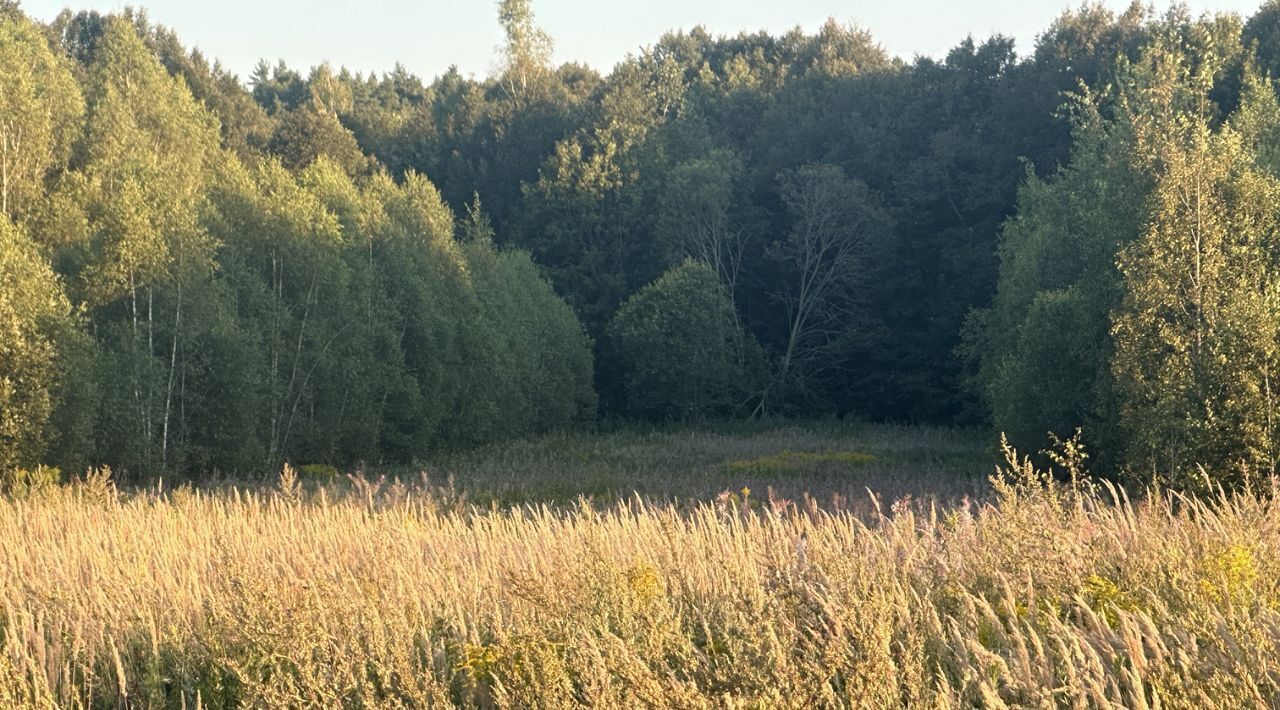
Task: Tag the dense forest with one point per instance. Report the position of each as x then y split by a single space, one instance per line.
199 274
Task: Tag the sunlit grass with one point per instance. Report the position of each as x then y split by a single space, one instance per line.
381 594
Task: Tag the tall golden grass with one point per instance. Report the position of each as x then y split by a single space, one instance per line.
1047 595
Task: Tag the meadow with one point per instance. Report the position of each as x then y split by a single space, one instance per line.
1021 592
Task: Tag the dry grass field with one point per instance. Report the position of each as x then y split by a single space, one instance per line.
396 595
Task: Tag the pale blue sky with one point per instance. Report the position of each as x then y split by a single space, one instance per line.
429 35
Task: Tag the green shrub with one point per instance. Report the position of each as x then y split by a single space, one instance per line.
22 482
318 472
680 351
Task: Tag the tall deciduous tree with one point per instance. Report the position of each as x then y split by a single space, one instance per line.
40 113
526 52
696 212
314 130
1197 335
33 313
1057 289
1137 293
141 183
835 220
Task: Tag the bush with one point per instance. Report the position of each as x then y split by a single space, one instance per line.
22 482
538 356
319 472
680 352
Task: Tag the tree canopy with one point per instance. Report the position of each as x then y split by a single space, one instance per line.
329 266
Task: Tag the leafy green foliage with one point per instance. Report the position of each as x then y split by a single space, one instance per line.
314 130
1198 332
33 311
1136 296
276 273
40 112
680 353
1042 350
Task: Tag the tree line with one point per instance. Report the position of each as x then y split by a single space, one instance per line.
172 306
201 273
1139 292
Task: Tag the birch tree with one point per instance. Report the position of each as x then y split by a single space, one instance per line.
141 182
526 51
822 259
40 113
1197 335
